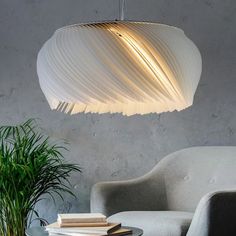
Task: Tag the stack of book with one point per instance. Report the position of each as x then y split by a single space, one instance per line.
91 224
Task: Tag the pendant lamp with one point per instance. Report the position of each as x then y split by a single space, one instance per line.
119 67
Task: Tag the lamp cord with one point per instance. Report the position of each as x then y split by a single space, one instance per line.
122 9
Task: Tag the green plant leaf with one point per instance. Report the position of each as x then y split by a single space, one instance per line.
31 167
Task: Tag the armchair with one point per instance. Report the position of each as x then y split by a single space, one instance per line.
189 192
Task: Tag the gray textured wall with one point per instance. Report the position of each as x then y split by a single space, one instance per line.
111 147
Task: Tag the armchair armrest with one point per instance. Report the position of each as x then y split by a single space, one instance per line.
215 215
137 194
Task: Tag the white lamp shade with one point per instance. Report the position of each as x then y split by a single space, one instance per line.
125 67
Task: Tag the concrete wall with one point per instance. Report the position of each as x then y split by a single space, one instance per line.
111 147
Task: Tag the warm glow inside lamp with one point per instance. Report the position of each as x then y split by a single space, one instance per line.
119 67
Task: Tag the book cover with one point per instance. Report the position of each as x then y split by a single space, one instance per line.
103 230
81 218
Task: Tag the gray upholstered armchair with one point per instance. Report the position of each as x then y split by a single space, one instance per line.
189 192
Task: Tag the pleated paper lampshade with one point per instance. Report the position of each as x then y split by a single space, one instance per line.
119 67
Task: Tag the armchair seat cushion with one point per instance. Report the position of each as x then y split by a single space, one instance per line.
156 223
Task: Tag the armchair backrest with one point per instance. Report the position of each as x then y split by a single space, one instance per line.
190 173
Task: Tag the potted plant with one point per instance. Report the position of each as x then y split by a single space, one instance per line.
30 167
